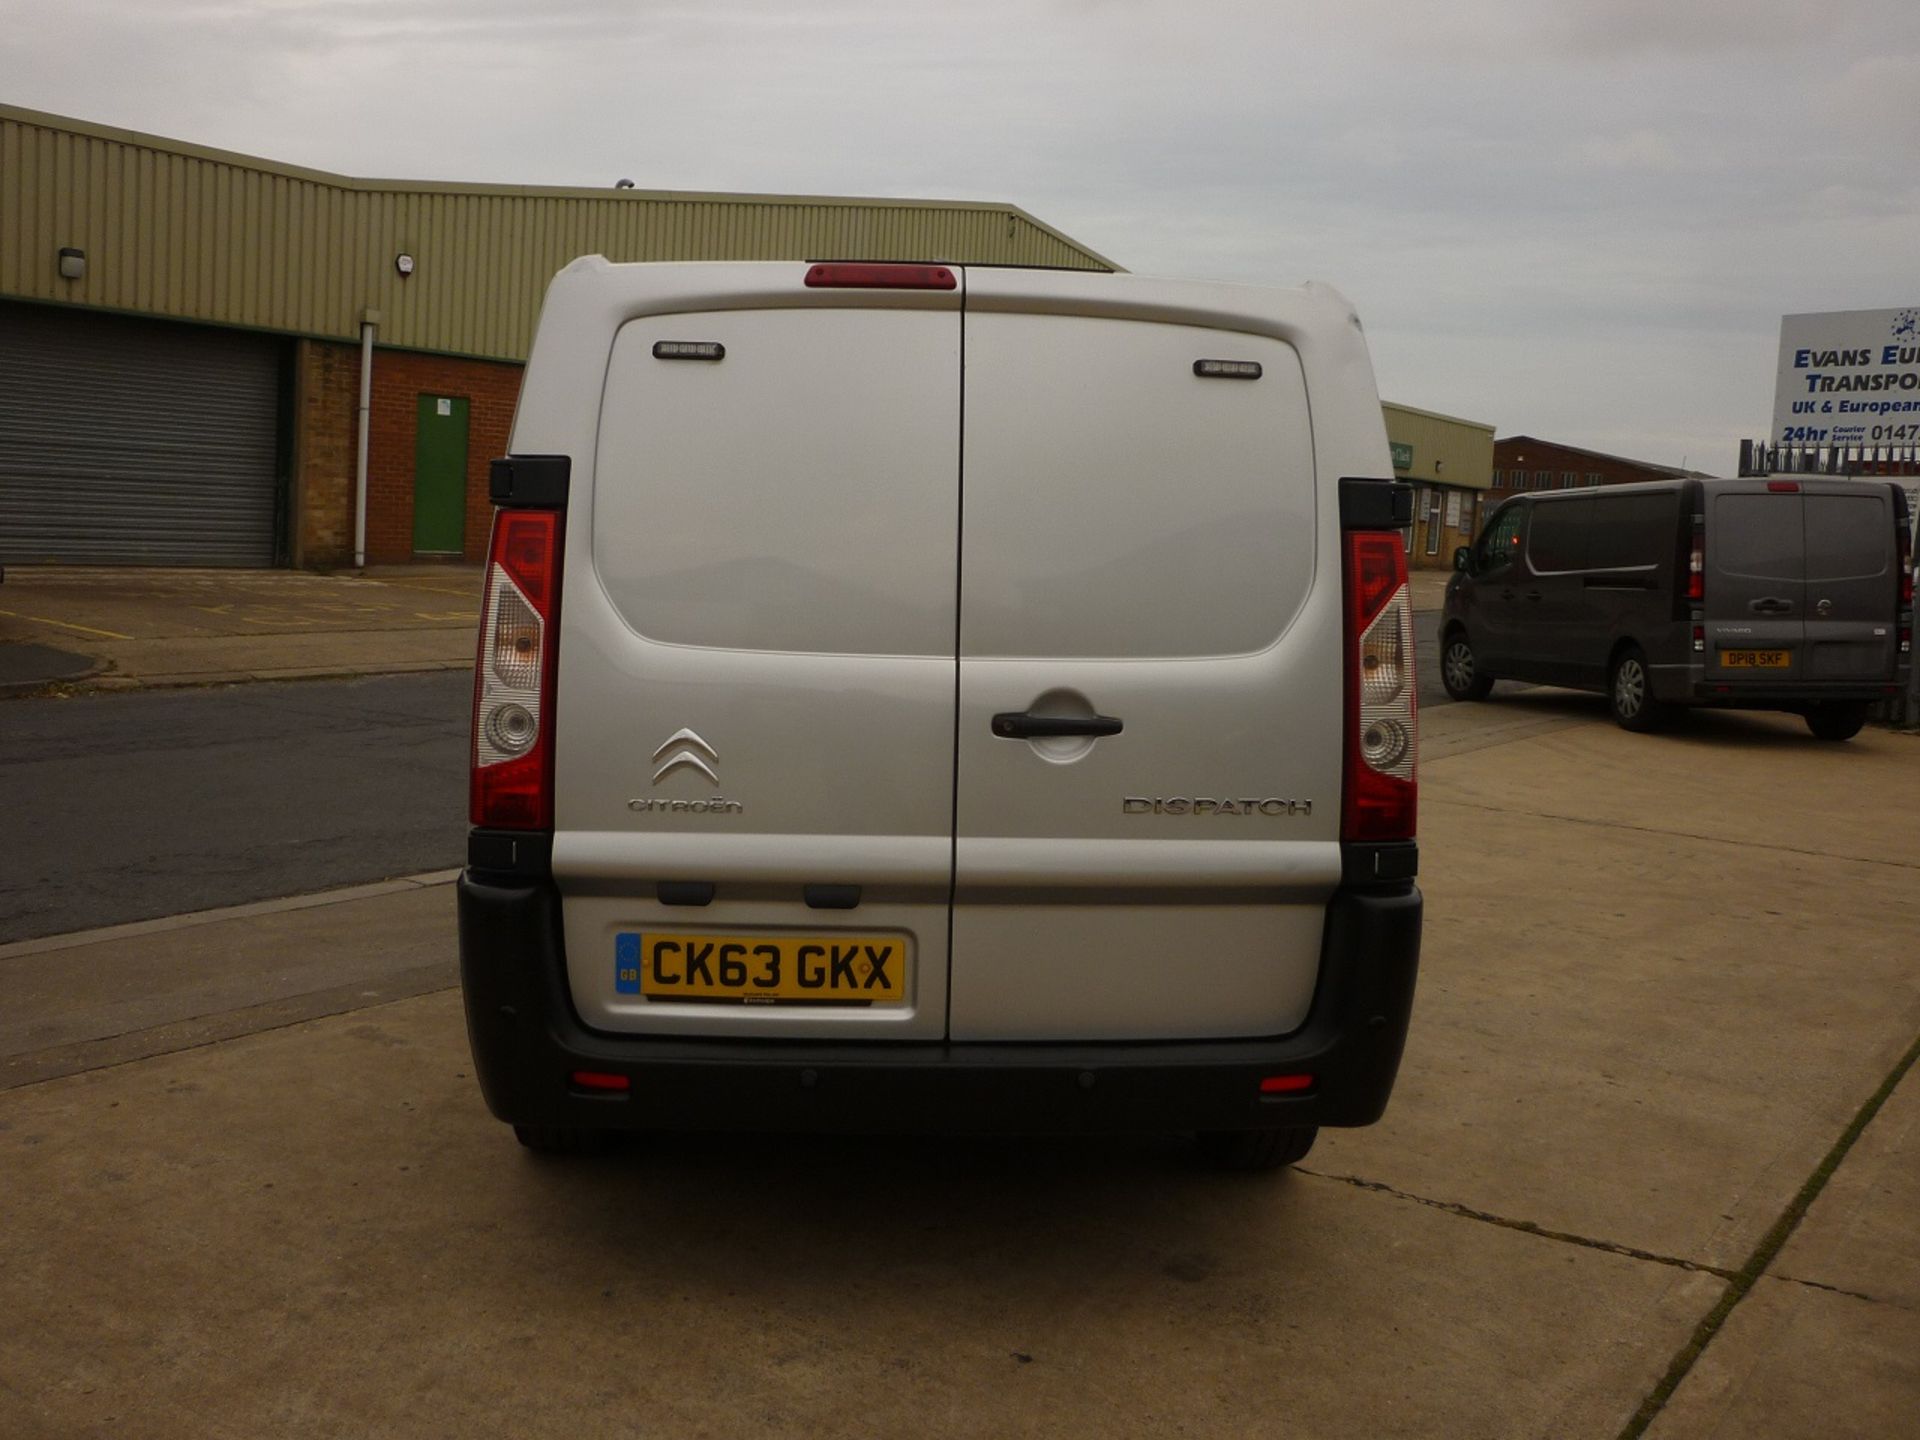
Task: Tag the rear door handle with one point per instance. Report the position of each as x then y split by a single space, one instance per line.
1771 606
1533 594
1020 725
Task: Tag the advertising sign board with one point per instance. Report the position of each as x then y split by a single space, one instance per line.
1849 378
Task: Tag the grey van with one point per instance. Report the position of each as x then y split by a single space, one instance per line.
1751 594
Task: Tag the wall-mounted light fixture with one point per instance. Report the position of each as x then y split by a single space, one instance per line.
623 185
73 263
403 262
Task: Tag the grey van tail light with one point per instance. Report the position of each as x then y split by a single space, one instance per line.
514 674
1380 796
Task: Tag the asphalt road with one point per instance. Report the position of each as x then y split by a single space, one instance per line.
127 807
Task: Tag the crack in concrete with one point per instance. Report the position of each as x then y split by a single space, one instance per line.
1525 1227
1765 1252
1836 1290
1675 834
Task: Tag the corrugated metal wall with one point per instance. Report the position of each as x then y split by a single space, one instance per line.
171 229
1445 449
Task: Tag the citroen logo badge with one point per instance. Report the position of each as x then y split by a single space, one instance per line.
684 747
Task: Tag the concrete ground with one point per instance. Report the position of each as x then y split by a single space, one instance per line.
1637 1171
125 628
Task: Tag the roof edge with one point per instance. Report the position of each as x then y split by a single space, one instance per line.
145 140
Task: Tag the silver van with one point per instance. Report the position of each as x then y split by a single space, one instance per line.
1755 594
935 698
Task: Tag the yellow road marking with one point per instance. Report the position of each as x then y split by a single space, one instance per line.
452 615
66 625
473 594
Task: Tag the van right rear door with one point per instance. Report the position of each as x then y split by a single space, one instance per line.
1149 745
1852 580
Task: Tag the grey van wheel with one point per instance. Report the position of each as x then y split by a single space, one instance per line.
1630 692
1255 1150
1837 720
1460 672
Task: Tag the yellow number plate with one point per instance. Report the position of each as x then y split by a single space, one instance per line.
1754 659
763 969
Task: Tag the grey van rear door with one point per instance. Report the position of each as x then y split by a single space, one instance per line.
1141 544
1810 570
1852 581
1756 588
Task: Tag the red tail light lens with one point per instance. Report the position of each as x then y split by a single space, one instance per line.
882 277
1906 565
1380 801
1697 567
513 680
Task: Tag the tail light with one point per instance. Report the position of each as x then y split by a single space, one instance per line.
1906 565
514 673
1697 565
1381 797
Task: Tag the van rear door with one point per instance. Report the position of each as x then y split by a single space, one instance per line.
1852 581
1756 586
754 734
1149 752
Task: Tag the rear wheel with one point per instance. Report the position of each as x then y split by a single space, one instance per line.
1630 692
1249 1151
561 1139
1460 672
1839 720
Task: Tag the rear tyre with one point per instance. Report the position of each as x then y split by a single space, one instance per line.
1460 672
1630 692
1250 1151
561 1140
1838 720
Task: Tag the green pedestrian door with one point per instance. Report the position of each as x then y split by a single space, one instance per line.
440 476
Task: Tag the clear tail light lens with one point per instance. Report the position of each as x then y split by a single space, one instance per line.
1381 792
512 765
1697 567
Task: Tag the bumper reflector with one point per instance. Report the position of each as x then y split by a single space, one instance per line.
601 1080
1285 1084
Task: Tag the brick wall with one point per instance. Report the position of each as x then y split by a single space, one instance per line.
1522 462
327 436
326 397
400 378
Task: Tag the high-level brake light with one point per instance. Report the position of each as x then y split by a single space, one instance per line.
514 674
1380 801
881 276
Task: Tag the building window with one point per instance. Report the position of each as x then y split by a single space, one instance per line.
1542 479
1593 477
1568 479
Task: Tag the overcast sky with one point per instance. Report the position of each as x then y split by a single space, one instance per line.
1577 219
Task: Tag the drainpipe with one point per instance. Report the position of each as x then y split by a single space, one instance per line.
369 322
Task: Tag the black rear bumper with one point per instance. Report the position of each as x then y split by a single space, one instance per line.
527 1042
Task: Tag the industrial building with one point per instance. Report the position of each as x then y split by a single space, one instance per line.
1525 462
1449 461
184 335
212 359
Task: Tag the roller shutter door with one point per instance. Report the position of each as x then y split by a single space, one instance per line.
136 442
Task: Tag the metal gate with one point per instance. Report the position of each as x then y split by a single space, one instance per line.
136 442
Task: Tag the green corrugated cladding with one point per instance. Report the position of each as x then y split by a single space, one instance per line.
1446 450
196 234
